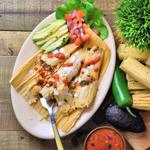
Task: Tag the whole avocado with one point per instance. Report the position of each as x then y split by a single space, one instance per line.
121 119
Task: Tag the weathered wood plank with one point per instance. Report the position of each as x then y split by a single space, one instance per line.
14 140
21 140
108 6
26 14
6 66
11 42
111 20
20 14
8 121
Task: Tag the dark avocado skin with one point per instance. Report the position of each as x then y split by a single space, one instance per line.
121 119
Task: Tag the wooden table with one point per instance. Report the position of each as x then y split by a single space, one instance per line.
17 19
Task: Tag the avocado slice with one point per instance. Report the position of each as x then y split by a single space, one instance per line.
43 28
44 42
48 30
61 31
60 42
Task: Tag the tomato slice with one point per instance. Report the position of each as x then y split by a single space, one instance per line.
65 81
85 37
76 25
60 56
55 85
80 13
68 17
67 64
50 55
78 41
55 77
96 69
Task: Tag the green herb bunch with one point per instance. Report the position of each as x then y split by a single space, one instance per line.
133 21
93 15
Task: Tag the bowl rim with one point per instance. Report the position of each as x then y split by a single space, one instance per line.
105 127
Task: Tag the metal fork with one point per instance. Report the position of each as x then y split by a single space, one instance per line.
49 106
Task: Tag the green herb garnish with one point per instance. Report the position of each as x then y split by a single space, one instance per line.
84 82
88 48
133 21
93 16
64 41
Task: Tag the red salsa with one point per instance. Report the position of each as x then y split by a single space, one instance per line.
76 26
104 139
96 69
67 64
50 55
93 61
60 56
55 77
65 81
54 84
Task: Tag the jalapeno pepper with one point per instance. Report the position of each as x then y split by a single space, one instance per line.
120 90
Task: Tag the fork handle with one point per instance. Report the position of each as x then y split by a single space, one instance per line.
56 134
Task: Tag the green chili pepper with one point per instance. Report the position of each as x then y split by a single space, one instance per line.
120 90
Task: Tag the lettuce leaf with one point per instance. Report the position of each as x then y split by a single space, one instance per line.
93 15
68 7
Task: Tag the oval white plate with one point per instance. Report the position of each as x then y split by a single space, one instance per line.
29 119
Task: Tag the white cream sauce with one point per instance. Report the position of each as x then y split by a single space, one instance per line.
73 58
55 109
61 50
86 72
54 60
90 67
56 91
55 51
60 103
31 72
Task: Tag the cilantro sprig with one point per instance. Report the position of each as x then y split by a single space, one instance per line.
93 15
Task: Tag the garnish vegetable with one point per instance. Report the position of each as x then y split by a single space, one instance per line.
133 21
51 36
120 118
76 27
120 90
93 16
